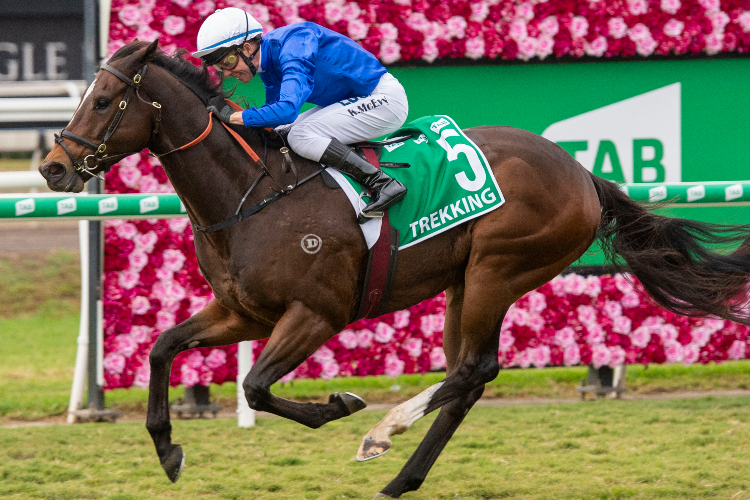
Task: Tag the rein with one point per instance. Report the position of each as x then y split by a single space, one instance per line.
100 155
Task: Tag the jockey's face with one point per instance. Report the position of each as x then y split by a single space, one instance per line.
232 64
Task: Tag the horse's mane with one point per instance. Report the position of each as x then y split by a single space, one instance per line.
196 78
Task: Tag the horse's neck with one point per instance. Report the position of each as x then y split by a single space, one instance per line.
210 177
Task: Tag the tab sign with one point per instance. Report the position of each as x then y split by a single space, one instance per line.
696 193
733 192
149 204
657 193
66 206
107 205
24 207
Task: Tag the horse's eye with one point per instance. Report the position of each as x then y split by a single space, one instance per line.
101 103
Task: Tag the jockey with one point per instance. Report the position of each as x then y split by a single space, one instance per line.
356 98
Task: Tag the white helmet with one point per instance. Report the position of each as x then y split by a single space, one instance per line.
223 29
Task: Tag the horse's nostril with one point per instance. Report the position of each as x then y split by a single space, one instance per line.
52 170
56 169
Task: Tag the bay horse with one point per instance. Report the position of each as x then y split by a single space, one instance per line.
266 286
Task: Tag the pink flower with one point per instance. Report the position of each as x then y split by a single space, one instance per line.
197 303
690 354
164 320
612 309
524 358
579 27
142 376
364 338
617 356
183 3
617 27
388 32
671 6
431 323
323 354
518 316
558 286
356 29
549 26
430 50
572 355
637 7
413 347
330 370
630 300
593 285
744 21
126 345
518 30
565 336
479 11
668 333
737 350
333 12
127 231
129 15
146 242
700 335
174 25
140 333
575 283
673 352
621 324
348 339
130 176
351 11
178 225
259 12
288 377
674 28
456 26
433 31
527 48
401 319
537 301
536 322
719 21
506 340
637 33
646 46
147 183
586 314
114 362
205 8
640 337
173 260
175 292
540 356
128 279
390 52
437 359
714 324
475 47
653 322
189 377
384 333
205 377
138 260
140 305
714 43
417 21
525 11
165 276
393 366
595 334
194 360
600 356
596 48
710 5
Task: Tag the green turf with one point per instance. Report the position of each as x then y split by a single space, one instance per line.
684 449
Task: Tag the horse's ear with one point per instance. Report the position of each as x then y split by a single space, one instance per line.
150 51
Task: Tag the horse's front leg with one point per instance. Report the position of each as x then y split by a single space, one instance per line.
298 334
213 326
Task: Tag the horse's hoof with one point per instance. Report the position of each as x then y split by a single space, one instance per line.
371 449
352 402
381 495
173 463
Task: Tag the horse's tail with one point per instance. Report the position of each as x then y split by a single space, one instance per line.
669 256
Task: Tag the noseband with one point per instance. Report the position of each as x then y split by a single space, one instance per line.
100 154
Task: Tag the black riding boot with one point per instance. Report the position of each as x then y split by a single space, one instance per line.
385 190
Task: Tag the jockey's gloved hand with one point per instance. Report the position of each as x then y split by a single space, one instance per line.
220 108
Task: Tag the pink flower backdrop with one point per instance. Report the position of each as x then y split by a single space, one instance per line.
152 282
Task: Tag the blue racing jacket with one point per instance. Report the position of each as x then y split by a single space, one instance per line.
305 62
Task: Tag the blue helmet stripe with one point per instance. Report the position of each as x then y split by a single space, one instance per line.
242 35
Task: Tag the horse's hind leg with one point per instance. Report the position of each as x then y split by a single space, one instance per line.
297 335
212 326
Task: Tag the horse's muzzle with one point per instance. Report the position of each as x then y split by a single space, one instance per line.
59 179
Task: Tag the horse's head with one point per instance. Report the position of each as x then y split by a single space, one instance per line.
112 121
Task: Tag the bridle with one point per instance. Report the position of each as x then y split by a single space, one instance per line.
100 151
100 155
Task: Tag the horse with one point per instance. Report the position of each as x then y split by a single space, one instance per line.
266 286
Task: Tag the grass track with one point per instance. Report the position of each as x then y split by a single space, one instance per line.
689 449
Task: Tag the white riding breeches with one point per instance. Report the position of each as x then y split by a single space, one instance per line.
352 120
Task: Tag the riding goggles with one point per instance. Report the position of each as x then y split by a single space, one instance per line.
228 62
